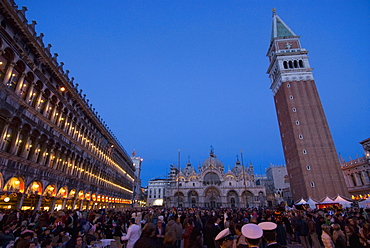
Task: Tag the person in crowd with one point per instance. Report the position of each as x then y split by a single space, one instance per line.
98 232
160 232
353 240
169 240
133 234
76 243
47 243
225 239
147 238
269 234
210 232
339 238
196 238
188 229
312 231
118 232
326 236
338 219
17 231
288 228
44 235
108 231
239 237
302 228
253 234
60 239
89 237
174 226
6 236
365 234
24 239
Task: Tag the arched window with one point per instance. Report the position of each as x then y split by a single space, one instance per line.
295 64
26 85
290 64
5 59
211 178
36 91
8 139
301 64
285 65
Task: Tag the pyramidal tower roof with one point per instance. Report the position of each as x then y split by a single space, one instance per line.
279 28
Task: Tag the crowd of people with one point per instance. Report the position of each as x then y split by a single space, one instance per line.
158 227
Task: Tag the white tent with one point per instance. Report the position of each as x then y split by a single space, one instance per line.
365 203
300 202
311 203
344 202
327 200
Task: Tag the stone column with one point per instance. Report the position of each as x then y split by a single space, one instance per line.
39 202
358 179
9 72
30 92
20 84
64 203
74 203
20 199
81 205
52 204
365 177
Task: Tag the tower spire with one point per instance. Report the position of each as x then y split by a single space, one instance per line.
279 28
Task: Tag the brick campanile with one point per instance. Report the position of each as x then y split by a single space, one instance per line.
310 155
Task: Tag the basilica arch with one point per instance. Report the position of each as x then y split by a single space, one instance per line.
232 199
193 199
212 197
179 199
247 199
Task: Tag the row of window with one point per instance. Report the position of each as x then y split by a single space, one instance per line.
48 105
293 64
23 142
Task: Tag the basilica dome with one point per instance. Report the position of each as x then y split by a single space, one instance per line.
212 162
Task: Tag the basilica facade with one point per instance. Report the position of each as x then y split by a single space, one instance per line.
213 187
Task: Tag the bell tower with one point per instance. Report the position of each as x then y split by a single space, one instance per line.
310 155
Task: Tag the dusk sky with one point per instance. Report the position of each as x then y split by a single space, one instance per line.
169 75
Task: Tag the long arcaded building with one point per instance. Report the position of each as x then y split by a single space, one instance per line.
55 150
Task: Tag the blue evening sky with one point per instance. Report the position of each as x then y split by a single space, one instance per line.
169 75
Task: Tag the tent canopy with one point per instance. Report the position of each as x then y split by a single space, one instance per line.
365 203
343 201
300 202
